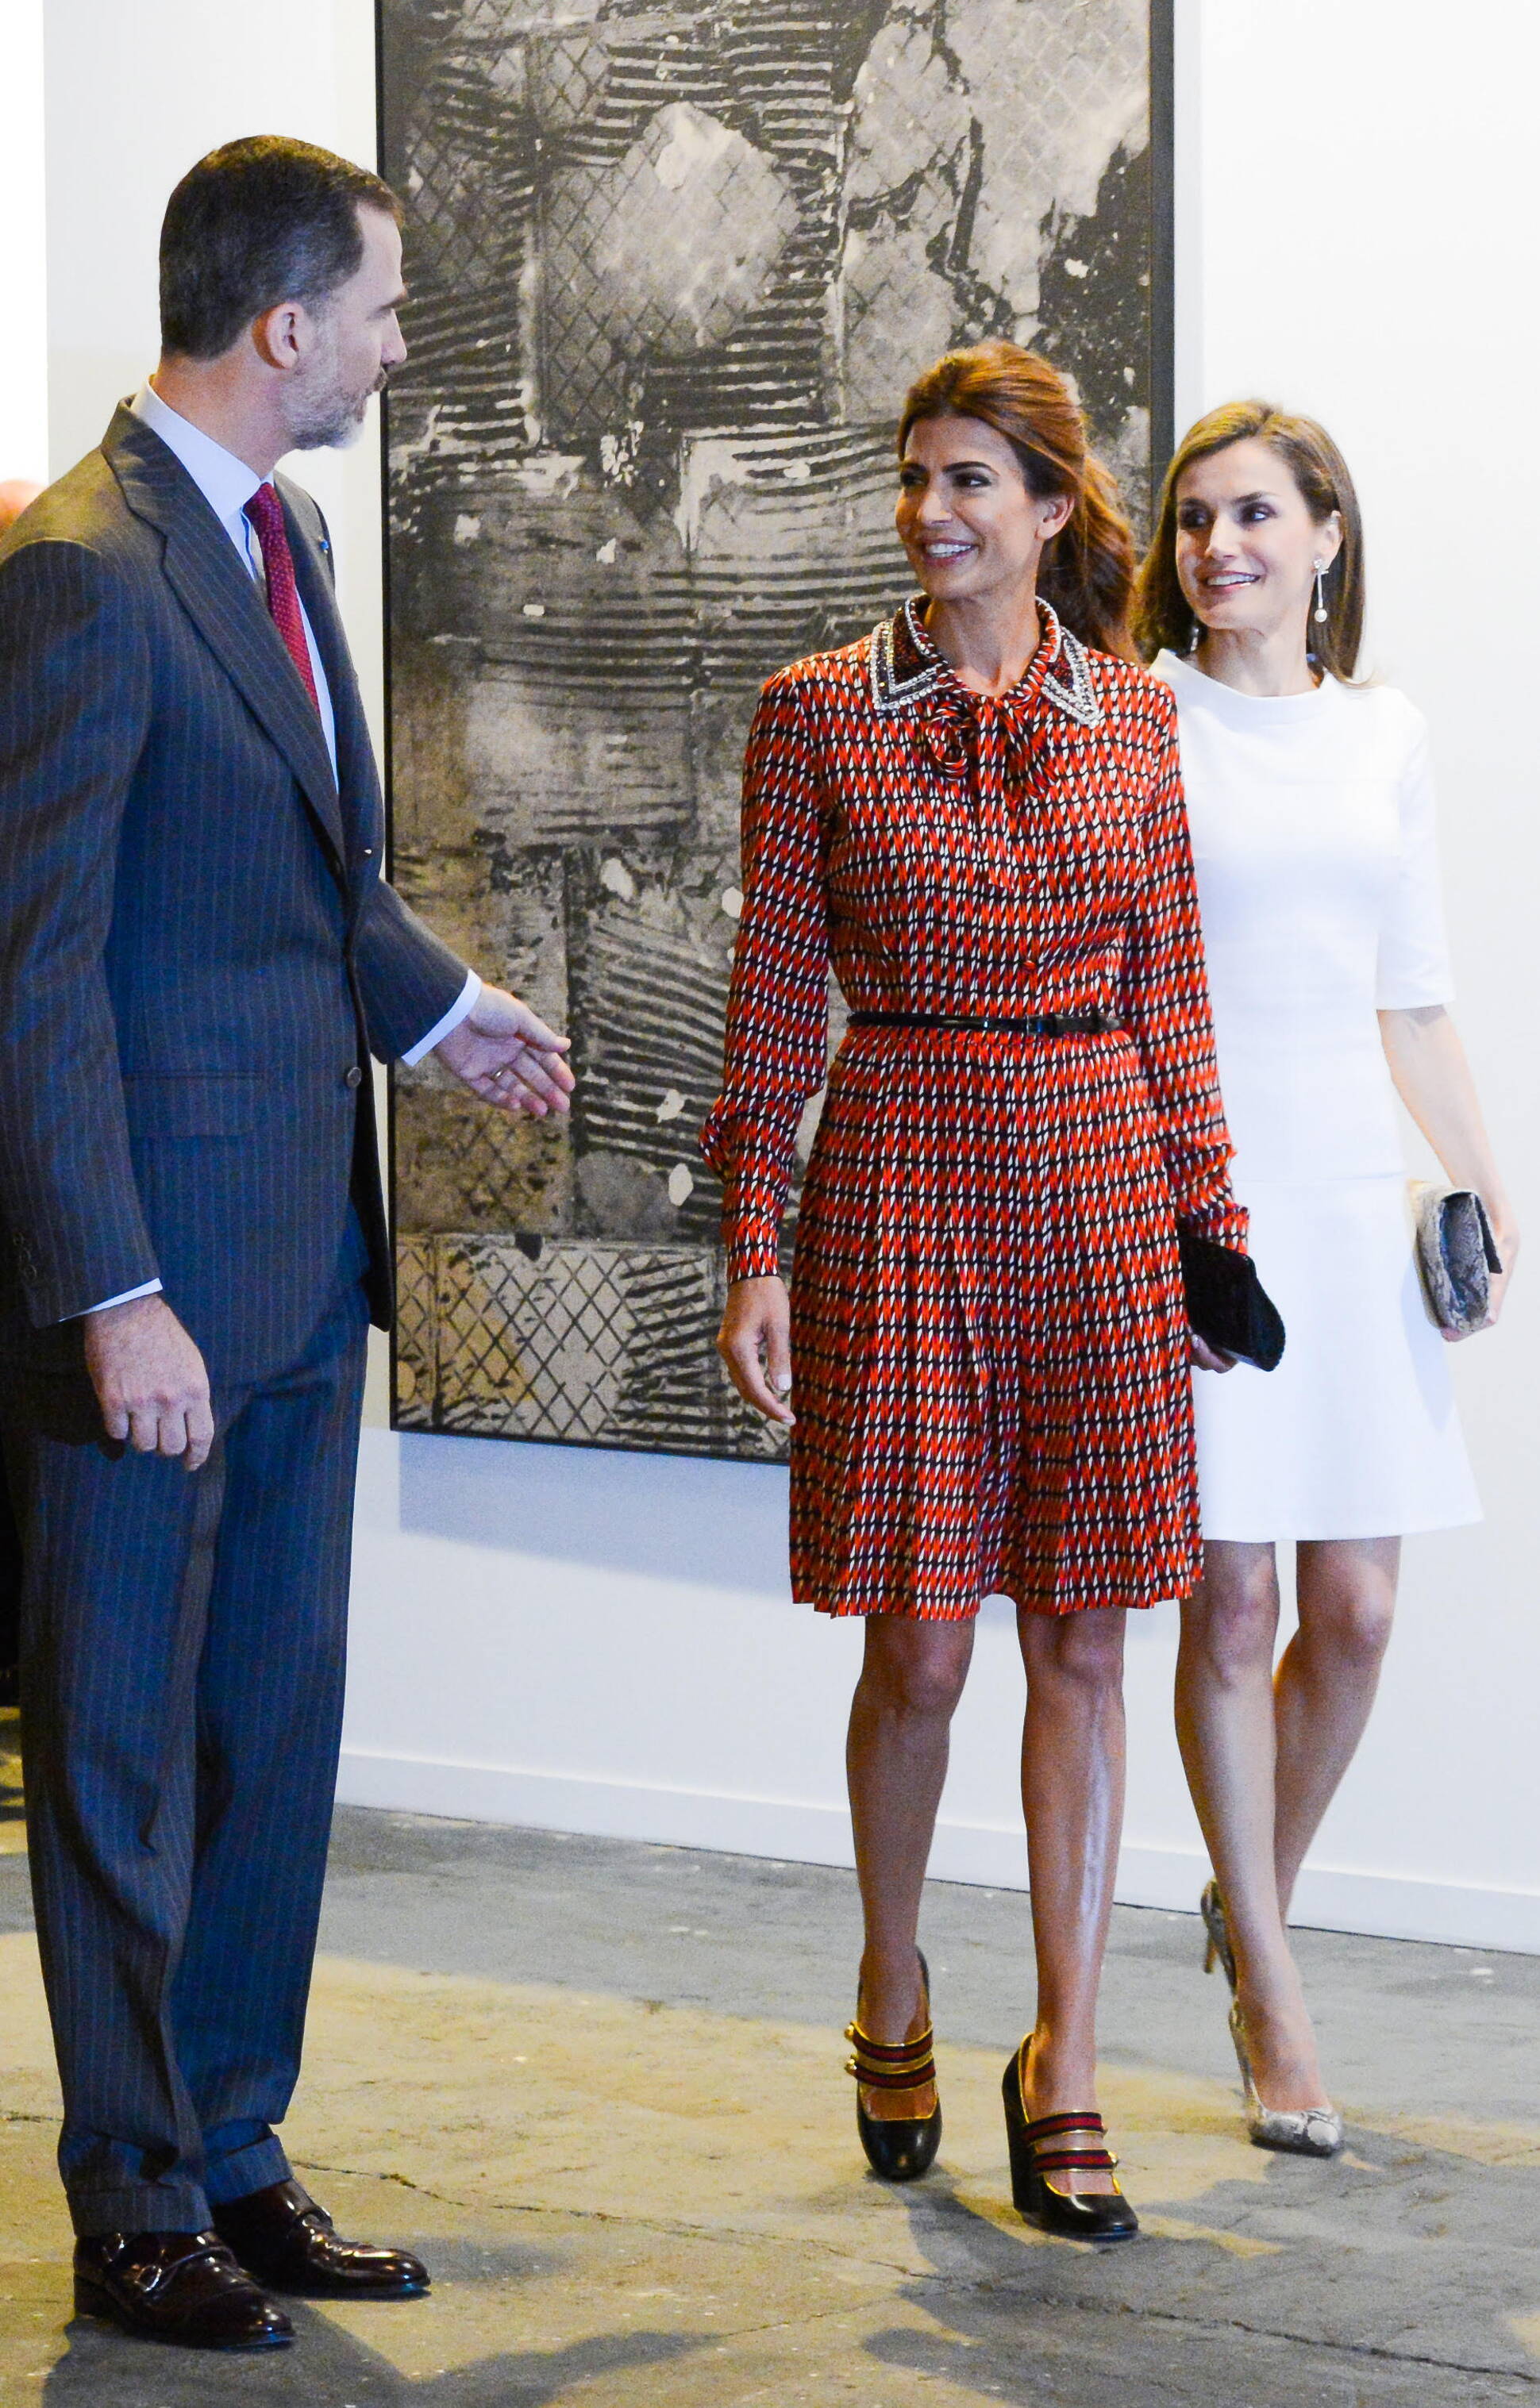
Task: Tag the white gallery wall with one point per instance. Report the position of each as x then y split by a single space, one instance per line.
605 1642
133 95
23 344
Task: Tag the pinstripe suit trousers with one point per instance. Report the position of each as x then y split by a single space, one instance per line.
182 1668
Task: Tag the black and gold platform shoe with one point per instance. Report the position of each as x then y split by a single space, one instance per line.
902 2148
1047 2146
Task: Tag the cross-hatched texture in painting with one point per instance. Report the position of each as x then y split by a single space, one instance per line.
672 268
583 1341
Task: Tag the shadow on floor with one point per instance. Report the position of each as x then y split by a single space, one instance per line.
329 2365
1167 2322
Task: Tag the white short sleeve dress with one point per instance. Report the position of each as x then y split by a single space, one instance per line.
1312 819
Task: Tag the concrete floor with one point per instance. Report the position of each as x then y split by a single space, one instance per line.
599 2085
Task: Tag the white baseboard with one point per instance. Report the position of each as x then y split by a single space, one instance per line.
603 1810
1386 1906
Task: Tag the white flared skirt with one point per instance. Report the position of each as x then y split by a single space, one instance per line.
1355 1435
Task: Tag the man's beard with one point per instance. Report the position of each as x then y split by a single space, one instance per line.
329 419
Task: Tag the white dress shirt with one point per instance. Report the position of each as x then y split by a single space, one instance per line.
227 485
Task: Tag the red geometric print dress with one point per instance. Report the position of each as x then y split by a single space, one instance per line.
989 1344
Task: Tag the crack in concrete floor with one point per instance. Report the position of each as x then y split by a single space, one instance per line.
573 2160
681 2229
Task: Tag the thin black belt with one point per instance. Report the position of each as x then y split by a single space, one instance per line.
1095 1022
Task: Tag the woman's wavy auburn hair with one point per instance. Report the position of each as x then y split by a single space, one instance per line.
1086 571
1164 620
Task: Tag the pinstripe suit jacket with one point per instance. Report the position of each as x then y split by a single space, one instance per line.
196 945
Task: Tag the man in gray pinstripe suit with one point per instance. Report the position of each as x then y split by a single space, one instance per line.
199 953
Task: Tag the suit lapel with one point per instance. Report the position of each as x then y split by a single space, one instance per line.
221 599
356 775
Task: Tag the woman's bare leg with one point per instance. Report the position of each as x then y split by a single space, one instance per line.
1072 1772
900 1717
1225 1725
1326 1683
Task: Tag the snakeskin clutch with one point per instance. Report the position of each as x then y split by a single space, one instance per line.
1456 1254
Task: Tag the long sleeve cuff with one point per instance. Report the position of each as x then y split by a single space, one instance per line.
465 1003
1219 1217
752 1258
151 1287
753 1157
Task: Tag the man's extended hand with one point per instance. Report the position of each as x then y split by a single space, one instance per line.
507 1055
150 1379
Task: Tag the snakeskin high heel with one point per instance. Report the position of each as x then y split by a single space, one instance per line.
1211 1906
1047 2147
899 2148
1303 2131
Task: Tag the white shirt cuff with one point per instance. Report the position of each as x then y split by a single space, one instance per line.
464 1002
151 1287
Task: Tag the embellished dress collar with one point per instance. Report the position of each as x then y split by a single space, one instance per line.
908 670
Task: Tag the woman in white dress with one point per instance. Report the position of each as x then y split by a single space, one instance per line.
1312 812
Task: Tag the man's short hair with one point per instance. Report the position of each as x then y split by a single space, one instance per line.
259 221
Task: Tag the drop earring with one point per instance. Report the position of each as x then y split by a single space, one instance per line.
1321 613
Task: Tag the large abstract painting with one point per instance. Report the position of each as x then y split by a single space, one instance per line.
672 267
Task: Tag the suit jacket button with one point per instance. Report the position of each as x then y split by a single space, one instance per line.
368 853
354 1077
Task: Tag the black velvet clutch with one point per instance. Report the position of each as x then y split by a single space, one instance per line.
1227 1303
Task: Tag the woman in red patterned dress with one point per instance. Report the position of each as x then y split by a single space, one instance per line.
975 815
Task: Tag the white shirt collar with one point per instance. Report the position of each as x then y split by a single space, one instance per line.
227 485
225 482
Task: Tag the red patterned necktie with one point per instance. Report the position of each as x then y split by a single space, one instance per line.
266 512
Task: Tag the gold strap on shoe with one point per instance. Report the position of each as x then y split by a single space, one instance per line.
882 2065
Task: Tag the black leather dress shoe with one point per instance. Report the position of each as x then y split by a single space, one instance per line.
178 2287
287 2241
